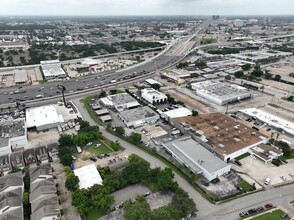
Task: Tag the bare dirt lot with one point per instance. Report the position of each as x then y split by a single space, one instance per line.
189 101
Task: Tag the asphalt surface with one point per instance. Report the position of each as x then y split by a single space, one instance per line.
225 211
173 54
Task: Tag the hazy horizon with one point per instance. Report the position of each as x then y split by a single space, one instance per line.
146 8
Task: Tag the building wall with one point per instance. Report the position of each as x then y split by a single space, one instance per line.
47 126
5 150
18 141
138 123
243 151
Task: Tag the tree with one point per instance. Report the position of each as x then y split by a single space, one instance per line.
195 113
155 86
268 75
278 77
115 145
81 201
257 72
26 179
100 196
102 94
228 77
120 131
26 198
65 156
287 151
135 138
239 74
246 67
71 182
165 180
65 140
67 170
140 210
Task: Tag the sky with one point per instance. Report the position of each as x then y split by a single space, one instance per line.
146 7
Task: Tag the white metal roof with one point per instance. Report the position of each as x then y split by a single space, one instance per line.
179 112
88 176
39 116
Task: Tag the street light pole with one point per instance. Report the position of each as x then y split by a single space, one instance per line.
62 89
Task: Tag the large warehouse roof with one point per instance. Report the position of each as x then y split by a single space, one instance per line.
39 116
88 176
270 119
225 134
195 155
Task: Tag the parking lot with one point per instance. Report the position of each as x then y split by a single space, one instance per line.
259 171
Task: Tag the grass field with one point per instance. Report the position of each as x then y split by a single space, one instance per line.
246 186
275 215
102 149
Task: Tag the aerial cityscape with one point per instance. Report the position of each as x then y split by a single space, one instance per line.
146 110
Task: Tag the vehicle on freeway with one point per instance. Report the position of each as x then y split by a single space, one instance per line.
39 96
113 81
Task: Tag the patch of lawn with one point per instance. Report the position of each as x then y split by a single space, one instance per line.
242 156
102 149
291 156
95 214
275 215
245 186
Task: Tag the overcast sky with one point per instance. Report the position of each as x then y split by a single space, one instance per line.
146 7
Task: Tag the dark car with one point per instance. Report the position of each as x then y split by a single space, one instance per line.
268 206
284 215
216 180
260 208
251 211
93 159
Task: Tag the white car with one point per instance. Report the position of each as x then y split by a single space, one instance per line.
283 178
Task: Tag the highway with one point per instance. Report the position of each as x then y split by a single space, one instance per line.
172 54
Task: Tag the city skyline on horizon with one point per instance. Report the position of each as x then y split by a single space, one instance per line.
146 8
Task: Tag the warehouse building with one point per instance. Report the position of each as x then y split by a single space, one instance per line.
194 156
138 117
273 121
120 102
88 176
176 113
153 96
20 77
221 93
52 69
12 135
228 137
42 118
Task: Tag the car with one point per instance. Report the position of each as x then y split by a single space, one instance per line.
216 180
260 208
242 214
291 175
93 159
251 211
284 215
268 129
146 194
268 206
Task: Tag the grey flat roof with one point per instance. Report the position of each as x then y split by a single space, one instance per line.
137 114
191 152
122 98
11 129
106 118
20 76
